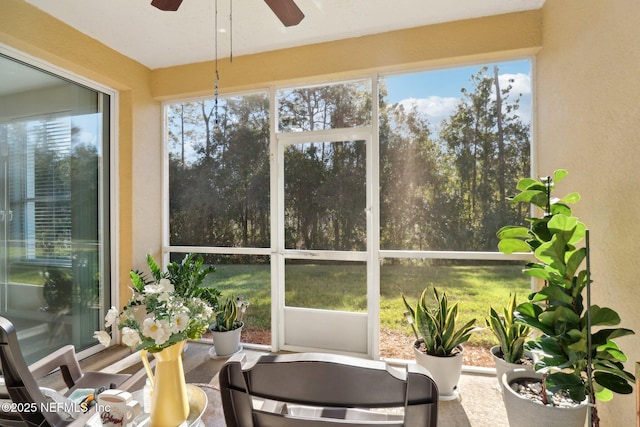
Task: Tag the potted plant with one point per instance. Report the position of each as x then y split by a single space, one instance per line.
438 345
576 362
228 327
510 352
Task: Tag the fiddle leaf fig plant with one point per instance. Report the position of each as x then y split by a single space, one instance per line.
578 361
437 325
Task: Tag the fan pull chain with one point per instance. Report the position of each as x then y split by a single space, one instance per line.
216 129
230 30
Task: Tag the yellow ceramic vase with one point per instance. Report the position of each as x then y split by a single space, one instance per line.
169 401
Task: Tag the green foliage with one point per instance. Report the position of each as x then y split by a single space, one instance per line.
437 325
187 278
438 181
558 309
58 288
511 335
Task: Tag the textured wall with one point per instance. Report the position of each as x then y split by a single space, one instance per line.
588 104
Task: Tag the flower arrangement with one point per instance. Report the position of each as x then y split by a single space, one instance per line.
157 317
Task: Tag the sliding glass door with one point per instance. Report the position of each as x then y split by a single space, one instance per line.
53 208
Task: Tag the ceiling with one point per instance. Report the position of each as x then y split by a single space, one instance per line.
160 39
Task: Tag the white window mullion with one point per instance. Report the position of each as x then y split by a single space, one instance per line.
277 227
373 224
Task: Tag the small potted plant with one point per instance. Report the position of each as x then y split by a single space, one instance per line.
438 345
576 364
228 327
510 352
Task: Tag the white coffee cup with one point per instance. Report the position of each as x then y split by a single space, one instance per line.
117 408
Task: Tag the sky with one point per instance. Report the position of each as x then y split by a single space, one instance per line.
436 93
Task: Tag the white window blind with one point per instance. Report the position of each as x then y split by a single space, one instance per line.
40 161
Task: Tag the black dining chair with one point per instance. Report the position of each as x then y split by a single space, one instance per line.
314 389
23 402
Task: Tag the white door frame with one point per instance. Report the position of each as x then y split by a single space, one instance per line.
305 329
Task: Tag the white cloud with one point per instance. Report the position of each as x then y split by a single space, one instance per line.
520 83
434 108
437 108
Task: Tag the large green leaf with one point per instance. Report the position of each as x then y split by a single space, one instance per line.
613 382
555 293
559 174
560 209
610 351
615 368
553 253
604 316
510 246
571 198
535 197
526 196
571 383
529 184
575 260
512 231
602 336
602 394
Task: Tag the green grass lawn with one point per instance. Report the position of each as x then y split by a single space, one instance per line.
343 287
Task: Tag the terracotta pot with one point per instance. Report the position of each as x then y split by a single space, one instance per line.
445 370
502 366
523 412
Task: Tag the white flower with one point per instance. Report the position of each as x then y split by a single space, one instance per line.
207 312
181 322
152 289
111 317
103 337
163 286
130 337
158 330
166 286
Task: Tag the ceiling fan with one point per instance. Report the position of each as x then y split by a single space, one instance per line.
286 10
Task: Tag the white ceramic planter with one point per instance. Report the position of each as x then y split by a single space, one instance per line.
522 412
502 366
445 371
227 343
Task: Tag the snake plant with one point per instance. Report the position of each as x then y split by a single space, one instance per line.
437 325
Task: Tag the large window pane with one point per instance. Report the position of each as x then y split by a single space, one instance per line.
219 172
341 105
326 285
450 150
54 204
325 196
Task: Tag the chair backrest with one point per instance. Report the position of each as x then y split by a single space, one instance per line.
19 381
313 389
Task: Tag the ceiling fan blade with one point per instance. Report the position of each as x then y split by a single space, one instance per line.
287 11
167 5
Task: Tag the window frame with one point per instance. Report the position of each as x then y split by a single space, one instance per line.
108 217
373 254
